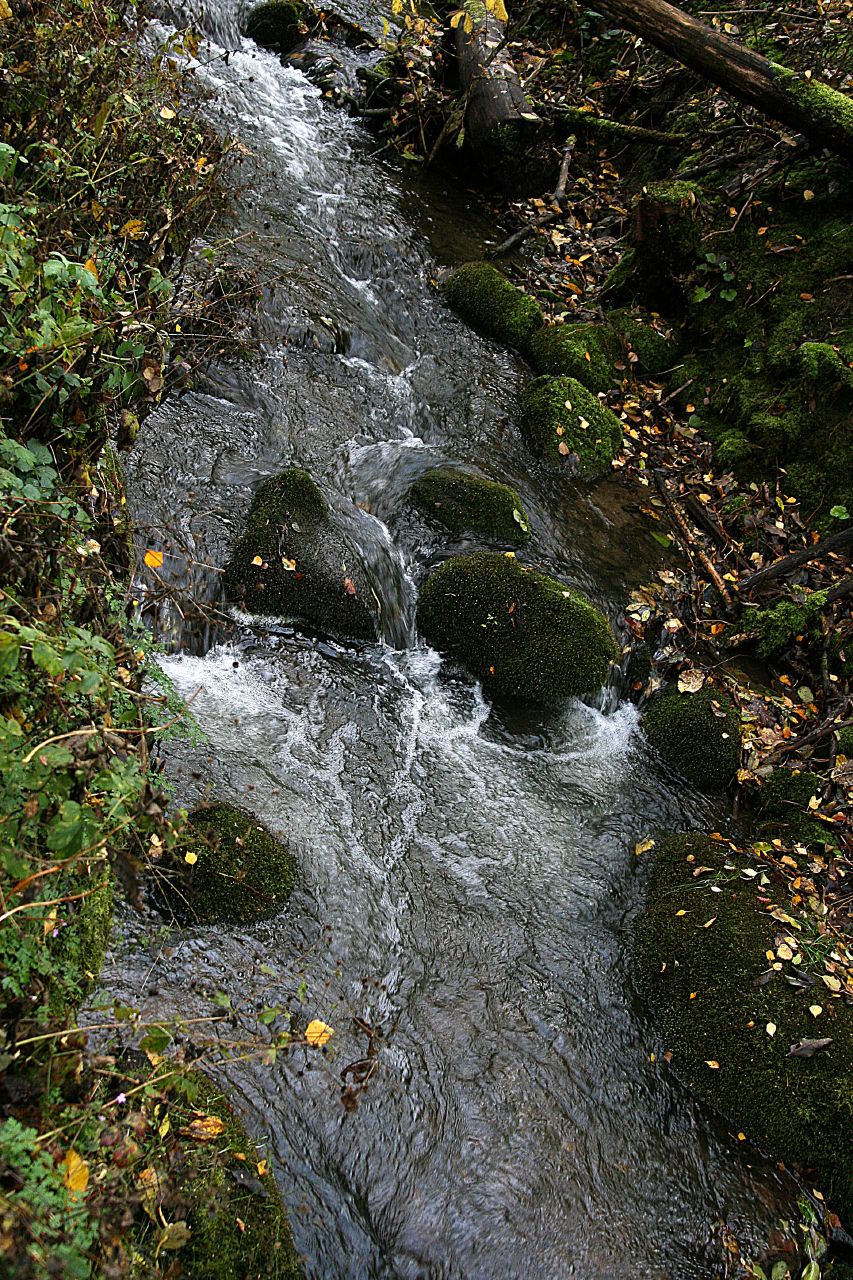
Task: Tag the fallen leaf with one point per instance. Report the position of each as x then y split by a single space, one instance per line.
643 846
257 560
709 1062
808 1048
204 1128
815 1010
133 228
154 559
167 113
832 983
690 681
349 586
190 858
76 1176
771 1028
173 1236
318 1033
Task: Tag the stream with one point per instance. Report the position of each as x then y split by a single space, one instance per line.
467 881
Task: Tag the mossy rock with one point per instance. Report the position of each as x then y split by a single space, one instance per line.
237 872
586 352
641 344
698 734
845 741
464 503
523 635
493 305
275 24
778 627
293 561
701 986
566 424
785 799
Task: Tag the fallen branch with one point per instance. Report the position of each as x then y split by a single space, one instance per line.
689 542
557 200
781 568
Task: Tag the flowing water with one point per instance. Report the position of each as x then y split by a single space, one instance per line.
467 883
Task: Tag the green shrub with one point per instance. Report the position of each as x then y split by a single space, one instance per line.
522 634
698 734
468 504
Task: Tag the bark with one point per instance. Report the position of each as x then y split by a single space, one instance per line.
822 114
502 130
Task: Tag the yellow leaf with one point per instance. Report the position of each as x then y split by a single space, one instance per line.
166 113
771 1028
262 1167
257 560
153 559
709 1062
832 983
498 8
784 952
5 12
815 1010
682 912
318 1033
76 1177
289 565
164 1127
133 228
204 1128
741 1137
91 266
49 922
643 846
190 858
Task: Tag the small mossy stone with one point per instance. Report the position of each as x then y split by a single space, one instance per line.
525 636
641 344
293 561
586 352
568 425
238 1227
493 305
229 869
785 799
700 985
275 24
469 504
697 734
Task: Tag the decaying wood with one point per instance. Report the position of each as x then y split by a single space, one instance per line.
690 543
781 568
502 129
822 114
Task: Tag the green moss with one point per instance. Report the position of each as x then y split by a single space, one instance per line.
779 626
823 105
785 800
674 191
586 352
275 24
696 733
492 304
643 346
700 984
522 634
221 1191
240 873
622 280
845 741
468 504
565 422
83 934
732 450
823 368
307 569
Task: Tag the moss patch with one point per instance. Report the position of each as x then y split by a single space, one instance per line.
700 984
778 626
294 561
696 733
785 800
468 504
275 24
524 635
492 304
642 345
568 425
238 872
586 352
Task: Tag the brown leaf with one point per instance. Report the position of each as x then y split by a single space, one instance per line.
204 1128
349 586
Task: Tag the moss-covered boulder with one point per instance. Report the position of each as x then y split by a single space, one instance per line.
228 869
698 734
645 346
714 996
566 424
275 24
295 561
465 503
586 352
493 305
524 635
785 801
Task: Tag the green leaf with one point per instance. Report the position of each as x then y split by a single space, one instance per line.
661 538
839 512
812 1272
67 831
10 651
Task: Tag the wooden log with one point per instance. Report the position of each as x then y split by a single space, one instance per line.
823 115
502 131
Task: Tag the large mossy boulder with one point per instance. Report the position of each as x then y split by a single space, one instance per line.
697 734
523 635
275 24
715 996
295 561
465 503
569 426
493 305
228 869
586 352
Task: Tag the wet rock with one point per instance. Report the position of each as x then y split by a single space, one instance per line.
327 70
524 635
295 561
275 24
227 868
464 503
698 734
492 305
569 426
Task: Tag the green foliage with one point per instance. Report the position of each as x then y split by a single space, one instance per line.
228 868
48 1226
294 561
700 982
696 733
492 304
780 625
569 426
469 504
524 635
